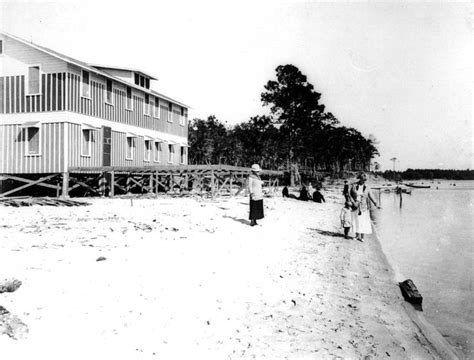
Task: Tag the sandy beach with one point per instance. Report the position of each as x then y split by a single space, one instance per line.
187 278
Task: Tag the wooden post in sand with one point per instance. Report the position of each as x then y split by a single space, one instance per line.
401 198
65 187
231 183
112 183
212 184
151 188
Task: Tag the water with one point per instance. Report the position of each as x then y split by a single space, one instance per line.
430 240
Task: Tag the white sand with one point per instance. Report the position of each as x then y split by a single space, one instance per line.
187 278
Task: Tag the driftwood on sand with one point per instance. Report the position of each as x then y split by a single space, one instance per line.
410 292
9 285
11 325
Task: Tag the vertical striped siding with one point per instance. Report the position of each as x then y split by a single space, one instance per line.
61 91
75 143
119 151
14 98
13 157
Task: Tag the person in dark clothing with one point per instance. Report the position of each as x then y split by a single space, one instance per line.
318 197
285 192
303 194
345 192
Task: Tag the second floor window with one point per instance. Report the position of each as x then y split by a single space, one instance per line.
157 108
181 118
109 92
129 105
146 105
86 87
33 80
170 112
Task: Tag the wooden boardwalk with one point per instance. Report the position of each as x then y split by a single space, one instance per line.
214 180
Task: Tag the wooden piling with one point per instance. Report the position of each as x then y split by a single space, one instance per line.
65 189
112 183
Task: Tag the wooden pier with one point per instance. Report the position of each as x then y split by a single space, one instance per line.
214 180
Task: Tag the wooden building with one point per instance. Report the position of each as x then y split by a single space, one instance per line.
59 113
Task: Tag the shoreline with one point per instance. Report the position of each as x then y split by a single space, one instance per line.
443 348
189 277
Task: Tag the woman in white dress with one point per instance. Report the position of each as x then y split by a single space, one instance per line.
361 198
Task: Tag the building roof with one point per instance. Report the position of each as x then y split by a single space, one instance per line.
107 67
93 68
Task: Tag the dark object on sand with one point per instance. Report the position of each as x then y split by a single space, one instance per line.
11 325
285 192
9 285
410 292
101 258
418 186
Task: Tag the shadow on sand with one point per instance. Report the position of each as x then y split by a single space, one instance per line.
242 221
327 233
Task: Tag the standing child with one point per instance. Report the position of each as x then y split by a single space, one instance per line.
346 218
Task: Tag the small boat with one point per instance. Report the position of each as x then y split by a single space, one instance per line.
418 186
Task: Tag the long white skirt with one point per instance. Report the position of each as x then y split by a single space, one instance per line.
361 223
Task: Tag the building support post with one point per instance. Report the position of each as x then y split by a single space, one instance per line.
112 184
65 191
231 184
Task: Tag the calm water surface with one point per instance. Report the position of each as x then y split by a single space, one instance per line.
430 240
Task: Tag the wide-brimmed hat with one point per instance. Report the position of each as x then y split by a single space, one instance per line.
256 167
362 176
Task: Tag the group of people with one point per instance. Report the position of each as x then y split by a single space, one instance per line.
306 194
354 215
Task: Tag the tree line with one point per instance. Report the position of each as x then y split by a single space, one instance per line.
418 174
297 132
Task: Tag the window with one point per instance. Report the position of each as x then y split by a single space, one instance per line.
130 148
33 80
137 79
33 141
85 89
86 142
157 108
181 118
146 105
183 155
157 156
147 83
129 105
170 153
110 95
170 112
142 81
147 150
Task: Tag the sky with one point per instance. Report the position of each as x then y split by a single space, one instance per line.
400 71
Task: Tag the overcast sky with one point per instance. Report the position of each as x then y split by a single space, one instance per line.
401 71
